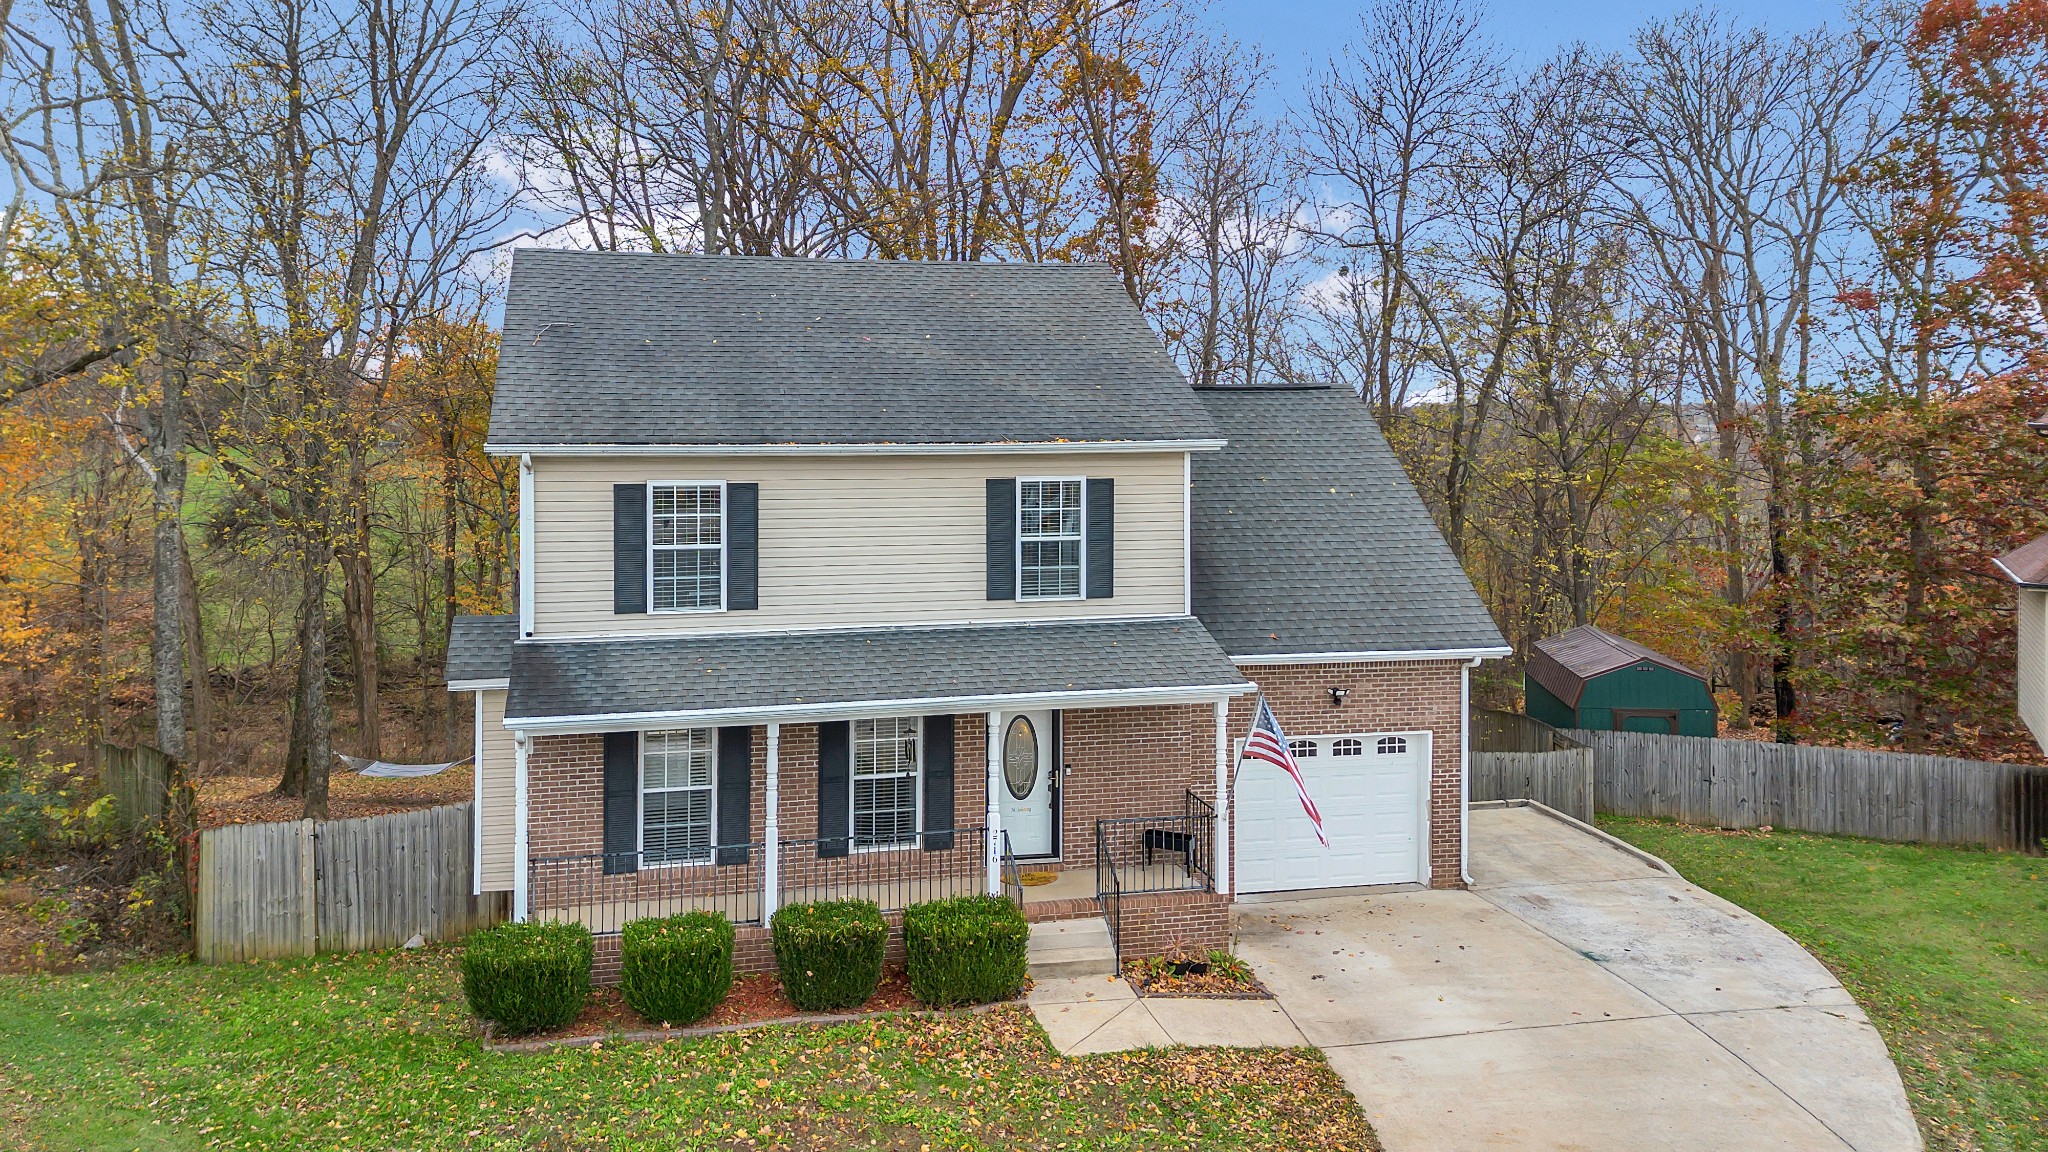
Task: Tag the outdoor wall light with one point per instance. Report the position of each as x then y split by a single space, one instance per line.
1337 696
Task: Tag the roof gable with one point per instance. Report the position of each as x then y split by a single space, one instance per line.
1309 538
638 349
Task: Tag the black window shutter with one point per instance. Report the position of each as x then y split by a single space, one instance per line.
1002 539
742 547
938 783
621 802
733 828
629 548
835 787
1101 539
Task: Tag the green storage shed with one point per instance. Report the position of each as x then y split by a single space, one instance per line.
1590 678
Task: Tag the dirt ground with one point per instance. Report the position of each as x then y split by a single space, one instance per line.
254 800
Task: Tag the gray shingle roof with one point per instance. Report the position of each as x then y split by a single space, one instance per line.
480 647
632 348
792 670
1309 537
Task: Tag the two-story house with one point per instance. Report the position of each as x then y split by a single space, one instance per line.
898 580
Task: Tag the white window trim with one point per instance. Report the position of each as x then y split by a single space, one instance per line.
853 777
724 547
640 803
1017 518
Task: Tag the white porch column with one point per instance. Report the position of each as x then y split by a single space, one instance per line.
771 852
476 803
1223 805
993 785
521 746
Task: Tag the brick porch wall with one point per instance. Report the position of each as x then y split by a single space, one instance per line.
1154 924
1383 697
1131 762
753 951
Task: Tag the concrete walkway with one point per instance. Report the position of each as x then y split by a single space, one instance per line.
1089 1014
1580 997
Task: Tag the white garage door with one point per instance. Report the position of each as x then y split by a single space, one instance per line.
1369 787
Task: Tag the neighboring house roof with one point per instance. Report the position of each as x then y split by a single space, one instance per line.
1565 662
621 348
1308 537
480 648
2027 566
929 669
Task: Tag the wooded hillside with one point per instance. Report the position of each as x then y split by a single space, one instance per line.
1726 341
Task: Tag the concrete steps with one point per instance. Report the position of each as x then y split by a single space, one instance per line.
1067 948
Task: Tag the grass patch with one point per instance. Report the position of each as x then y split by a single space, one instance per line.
378 1051
1945 948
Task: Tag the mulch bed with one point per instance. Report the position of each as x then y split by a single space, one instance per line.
1211 985
754 999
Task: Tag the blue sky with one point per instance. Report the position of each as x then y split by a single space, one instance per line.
1301 33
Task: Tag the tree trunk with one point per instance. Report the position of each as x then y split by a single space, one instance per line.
313 711
359 612
195 657
167 561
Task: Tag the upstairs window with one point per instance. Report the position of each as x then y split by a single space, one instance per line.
675 796
687 534
1049 523
885 780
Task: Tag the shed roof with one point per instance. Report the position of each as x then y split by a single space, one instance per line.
2027 565
636 349
1564 663
1309 537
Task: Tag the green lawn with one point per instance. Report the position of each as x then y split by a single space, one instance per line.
376 1051
1945 948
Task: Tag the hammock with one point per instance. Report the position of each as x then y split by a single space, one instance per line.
364 767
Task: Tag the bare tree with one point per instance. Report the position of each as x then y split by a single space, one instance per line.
1739 142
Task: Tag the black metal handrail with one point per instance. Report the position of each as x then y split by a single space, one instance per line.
1013 880
1109 893
935 866
605 890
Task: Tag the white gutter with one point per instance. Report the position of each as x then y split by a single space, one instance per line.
1371 657
946 449
499 685
862 709
2015 577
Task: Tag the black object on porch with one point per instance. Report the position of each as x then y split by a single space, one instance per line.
1135 855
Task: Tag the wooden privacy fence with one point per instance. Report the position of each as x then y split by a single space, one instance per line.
1497 731
294 888
1845 791
1563 779
145 784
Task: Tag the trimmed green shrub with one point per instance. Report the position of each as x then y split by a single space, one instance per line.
528 977
676 969
968 950
829 952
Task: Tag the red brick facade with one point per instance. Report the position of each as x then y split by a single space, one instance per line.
1116 763
1405 696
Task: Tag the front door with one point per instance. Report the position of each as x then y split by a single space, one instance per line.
1026 782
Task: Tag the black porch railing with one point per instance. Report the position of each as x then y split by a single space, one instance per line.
935 866
605 890
1140 854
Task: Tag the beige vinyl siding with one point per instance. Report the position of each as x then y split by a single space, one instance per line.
2032 688
495 779
855 540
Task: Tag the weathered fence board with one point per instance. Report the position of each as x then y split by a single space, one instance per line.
1846 791
1563 780
142 781
294 888
255 889
1497 731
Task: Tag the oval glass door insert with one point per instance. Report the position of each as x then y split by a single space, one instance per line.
1020 758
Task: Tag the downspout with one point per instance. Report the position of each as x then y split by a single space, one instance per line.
526 549
476 804
1465 769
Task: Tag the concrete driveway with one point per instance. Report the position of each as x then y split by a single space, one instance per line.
1581 996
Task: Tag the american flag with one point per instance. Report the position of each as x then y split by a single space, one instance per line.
1269 744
